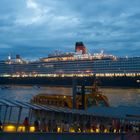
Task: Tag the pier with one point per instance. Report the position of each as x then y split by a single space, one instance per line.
13 130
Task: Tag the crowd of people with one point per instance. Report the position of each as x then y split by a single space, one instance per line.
42 125
114 126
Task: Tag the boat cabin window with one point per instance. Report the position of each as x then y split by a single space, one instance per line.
94 102
101 103
90 102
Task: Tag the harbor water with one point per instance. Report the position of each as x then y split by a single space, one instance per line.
116 96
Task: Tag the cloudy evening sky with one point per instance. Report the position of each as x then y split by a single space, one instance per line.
34 28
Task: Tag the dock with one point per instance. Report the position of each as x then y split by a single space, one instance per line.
13 130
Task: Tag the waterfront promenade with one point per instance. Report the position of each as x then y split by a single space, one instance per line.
102 123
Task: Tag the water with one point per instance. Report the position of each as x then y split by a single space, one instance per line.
116 96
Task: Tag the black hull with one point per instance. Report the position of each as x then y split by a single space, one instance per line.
67 81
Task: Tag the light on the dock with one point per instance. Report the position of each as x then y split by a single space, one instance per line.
32 129
72 130
10 128
105 131
79 130
58 129
21 129
115 131
97 130
91 130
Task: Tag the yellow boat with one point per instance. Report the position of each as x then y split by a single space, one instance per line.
94 98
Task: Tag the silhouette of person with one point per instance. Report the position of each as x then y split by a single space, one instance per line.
1 126
43 125
36 125
26 124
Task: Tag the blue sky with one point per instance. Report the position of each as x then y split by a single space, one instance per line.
35 28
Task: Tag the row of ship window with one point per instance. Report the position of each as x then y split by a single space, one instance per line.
69 61
69 67
71 70
72 67
72 63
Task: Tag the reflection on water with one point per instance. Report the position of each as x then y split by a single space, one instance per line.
117 96
122 97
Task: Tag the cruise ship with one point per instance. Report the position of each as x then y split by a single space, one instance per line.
59 69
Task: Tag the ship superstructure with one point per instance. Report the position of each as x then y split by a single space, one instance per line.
106 68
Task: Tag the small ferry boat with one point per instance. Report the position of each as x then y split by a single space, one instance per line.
92 97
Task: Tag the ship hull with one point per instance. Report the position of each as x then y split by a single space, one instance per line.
67 81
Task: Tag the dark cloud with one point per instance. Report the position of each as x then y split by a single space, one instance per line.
34 28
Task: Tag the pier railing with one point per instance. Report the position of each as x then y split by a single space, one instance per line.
16 131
